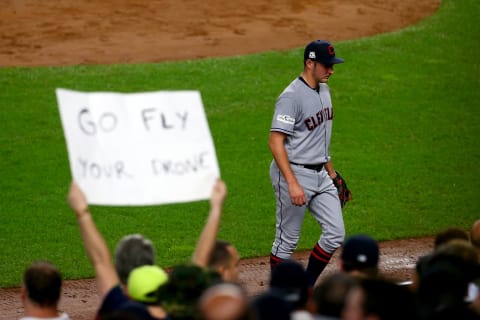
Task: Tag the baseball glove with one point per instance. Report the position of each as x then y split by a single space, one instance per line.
344 193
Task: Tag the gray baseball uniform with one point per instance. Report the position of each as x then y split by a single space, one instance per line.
305 116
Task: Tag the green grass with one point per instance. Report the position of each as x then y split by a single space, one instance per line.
405 138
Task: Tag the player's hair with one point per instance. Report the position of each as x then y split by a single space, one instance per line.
220 255
43 283
133 251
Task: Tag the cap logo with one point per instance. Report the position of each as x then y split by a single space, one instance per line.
312 55
362 258
331 51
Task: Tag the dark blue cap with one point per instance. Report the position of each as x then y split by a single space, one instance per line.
361 251
321 51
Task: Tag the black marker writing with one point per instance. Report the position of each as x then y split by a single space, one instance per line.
152 118
96 170
106 122
191 165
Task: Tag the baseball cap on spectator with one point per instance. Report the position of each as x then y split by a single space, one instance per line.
144 282
321 51
360 251
268 305
290 281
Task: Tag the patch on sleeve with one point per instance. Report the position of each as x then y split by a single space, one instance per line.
285 118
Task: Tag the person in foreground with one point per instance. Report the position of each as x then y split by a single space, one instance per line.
145 283
379 299
111 294
360 256
302 172
40 293
210 252
133 251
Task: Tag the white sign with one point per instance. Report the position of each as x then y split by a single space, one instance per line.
139 148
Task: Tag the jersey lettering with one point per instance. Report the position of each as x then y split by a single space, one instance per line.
313 122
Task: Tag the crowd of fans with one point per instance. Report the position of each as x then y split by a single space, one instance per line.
445 283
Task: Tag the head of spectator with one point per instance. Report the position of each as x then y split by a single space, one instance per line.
224 259
224 301
329 296
40 293
186 283
444 282
133 251
379 299
442 237
474 288
449 234
289 280
268 305
475 236
112 295
360 256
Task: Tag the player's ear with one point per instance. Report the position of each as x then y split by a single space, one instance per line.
308 63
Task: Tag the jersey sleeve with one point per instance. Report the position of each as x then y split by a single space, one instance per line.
284 115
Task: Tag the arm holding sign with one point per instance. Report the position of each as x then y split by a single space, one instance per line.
94 243
207 239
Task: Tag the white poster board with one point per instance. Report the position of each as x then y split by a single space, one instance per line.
139 148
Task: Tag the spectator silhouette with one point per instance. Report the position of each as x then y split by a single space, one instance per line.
108 283
218 255
224 259
290 281
442 237
268 306
111 293
224 301
443 283
474 288
380 299
40 292
186 283
475 236
133 251
330 295
360 256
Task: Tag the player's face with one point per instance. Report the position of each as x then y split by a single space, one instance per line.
321 72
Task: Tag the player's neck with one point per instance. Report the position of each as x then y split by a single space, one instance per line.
309 81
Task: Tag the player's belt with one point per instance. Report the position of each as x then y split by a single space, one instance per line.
316 167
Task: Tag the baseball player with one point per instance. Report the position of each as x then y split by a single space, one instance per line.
302 170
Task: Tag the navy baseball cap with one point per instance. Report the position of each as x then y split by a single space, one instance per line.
360 251
289 280
321 51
